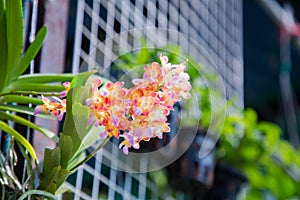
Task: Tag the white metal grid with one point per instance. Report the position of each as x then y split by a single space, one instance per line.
216 25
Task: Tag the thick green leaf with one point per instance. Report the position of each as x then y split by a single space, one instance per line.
25 110
66 146
76 160
61 178
20 99
37 87
81 79
19 138
51 160
90 138
14 32
49 177
3 46
25 122
81 117
44 78
75 125
32 51
55 178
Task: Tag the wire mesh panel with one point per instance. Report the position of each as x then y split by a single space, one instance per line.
105 28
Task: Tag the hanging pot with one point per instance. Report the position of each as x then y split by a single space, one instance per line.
192 173
228 182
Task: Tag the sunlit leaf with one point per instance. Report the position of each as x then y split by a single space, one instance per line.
32 51
14 33
19 138
29 124
36 87
20 99
44 78
3 46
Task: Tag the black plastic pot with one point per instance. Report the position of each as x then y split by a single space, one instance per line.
190 173
228 182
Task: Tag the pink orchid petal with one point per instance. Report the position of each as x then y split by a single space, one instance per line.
60 116
67 84
136 146
97 82
63 94
125 150
38 110
138 111
103 135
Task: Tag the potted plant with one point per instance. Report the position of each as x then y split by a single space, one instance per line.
93 108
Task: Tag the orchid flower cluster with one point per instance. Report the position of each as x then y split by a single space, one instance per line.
136 114
56 107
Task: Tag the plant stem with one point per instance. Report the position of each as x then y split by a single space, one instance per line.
92 154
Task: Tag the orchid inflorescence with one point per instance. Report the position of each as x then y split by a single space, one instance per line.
136 114
57 107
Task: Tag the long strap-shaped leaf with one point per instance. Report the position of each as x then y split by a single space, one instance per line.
25 122
32 51
19 138
14 33
44 78
34 87
20 99
3 46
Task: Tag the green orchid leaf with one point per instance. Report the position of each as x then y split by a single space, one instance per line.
48 181
25 110
75 125
81 117
14 33
55 178
61 178
51 160
62 189
47 162
32 51
69 127
66 146
82 78
36 87
90 138
3 46
44 78
20 99
29 124
77 158
19 138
